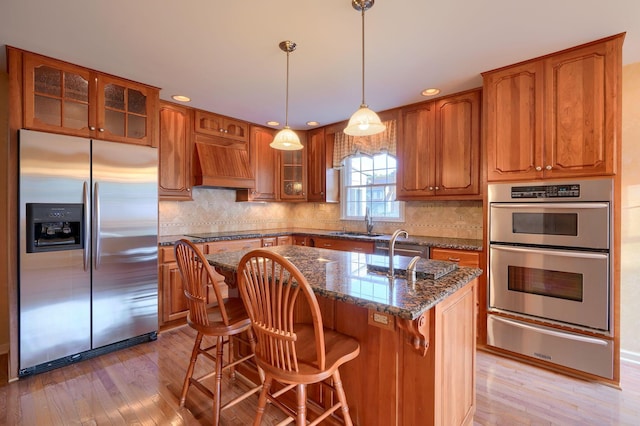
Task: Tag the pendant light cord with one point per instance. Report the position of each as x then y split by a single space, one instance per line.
363 10
286 103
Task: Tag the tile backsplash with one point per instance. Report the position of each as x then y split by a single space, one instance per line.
215 210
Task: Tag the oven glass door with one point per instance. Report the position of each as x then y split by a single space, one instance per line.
561 285
584 225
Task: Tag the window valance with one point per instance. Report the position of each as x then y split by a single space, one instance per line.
346 145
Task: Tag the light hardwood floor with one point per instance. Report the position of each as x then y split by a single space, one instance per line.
140 385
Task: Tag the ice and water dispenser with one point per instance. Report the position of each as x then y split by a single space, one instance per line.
54 227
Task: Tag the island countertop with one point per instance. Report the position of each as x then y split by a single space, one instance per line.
345 276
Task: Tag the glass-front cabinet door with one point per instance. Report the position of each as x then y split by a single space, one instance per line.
57 97
124 111
293 175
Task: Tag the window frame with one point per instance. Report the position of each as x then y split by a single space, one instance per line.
346 168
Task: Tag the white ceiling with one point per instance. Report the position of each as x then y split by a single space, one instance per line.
224 53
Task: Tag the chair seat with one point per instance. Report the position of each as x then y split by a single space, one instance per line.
339 347
238 319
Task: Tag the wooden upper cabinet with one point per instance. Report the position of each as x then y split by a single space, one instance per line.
439 149
416 152
555 116
175 147
323 180
263 160
220 126
583 89
63 98
514 115
458 144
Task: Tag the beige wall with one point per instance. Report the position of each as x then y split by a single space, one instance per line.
215 210
630 277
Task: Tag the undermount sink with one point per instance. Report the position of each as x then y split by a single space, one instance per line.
356 234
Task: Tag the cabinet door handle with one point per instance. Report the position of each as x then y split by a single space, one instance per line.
101 129
548 167
92 128
437 188
431 188
538 168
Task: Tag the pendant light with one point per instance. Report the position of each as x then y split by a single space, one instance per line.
286 139
363 122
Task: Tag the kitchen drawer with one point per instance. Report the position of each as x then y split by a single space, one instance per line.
167 254
462 257
232 245
343 245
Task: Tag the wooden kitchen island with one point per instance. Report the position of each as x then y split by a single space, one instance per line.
417 360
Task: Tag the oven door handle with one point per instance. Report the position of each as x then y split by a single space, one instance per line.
554 252
554 333
536 205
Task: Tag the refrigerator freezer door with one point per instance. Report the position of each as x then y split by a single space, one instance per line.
125 229
55 287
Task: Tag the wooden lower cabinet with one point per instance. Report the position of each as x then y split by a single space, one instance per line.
300 240
172 305
285 240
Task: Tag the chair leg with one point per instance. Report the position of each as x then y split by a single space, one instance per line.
337 384
230 357
262 400
301 393
216 395
192 364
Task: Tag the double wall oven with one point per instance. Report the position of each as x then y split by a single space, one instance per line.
550 277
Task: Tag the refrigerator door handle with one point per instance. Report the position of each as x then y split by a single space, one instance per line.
96 221
87 227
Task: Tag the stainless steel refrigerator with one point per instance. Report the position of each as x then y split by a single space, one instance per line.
88 274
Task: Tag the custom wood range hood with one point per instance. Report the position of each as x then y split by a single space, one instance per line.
221 152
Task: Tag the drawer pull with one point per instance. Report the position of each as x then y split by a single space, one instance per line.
454 259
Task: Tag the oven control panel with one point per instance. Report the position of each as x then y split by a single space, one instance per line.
546 191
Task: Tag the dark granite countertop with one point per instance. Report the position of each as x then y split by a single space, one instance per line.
442 242
345 276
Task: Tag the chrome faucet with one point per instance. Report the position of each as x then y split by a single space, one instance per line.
368 220
392 249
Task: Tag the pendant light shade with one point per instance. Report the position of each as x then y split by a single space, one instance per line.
363 122
286 139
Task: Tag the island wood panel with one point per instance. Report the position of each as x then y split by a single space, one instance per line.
392 383
471 259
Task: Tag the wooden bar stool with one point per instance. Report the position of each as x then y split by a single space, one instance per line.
225 322
291 353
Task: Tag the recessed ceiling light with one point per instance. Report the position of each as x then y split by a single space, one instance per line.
273 123
181 98
430 92
312 123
